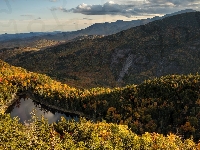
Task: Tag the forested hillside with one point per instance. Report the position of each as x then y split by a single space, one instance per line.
162 47
82 135
94 79
163 105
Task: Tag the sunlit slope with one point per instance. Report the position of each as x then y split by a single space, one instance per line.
162 47
15 80
83 135
161 105
143 108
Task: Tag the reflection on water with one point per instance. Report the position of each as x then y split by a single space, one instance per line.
24 106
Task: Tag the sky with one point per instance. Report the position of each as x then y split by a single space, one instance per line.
24 16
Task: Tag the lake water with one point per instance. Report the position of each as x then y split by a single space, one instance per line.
24 106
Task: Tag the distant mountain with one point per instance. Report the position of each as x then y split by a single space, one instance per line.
8 37
12 44
166 46
178 12
114 27
95 29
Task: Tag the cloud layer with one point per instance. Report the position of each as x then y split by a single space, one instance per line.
129 8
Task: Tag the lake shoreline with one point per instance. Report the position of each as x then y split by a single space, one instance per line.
16 96
4 108
52 106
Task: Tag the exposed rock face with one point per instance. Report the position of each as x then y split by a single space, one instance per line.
167 46
125 68
123 59
183 60
124 63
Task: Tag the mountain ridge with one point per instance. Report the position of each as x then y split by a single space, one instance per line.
166 46
106 28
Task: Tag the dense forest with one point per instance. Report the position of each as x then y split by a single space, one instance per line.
167 46
158 113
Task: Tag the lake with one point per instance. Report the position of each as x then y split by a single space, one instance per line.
25 105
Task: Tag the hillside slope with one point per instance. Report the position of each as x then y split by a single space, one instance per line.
167 46
166 104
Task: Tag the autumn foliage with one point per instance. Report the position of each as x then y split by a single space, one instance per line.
165 105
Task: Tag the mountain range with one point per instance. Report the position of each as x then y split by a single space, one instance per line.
95 29
161 113
165 46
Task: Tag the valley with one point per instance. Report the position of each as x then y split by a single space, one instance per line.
163 105
152 50
137 88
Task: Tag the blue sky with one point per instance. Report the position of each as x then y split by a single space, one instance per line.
17 16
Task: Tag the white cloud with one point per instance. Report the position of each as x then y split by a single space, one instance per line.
53 0
57 8
130 8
